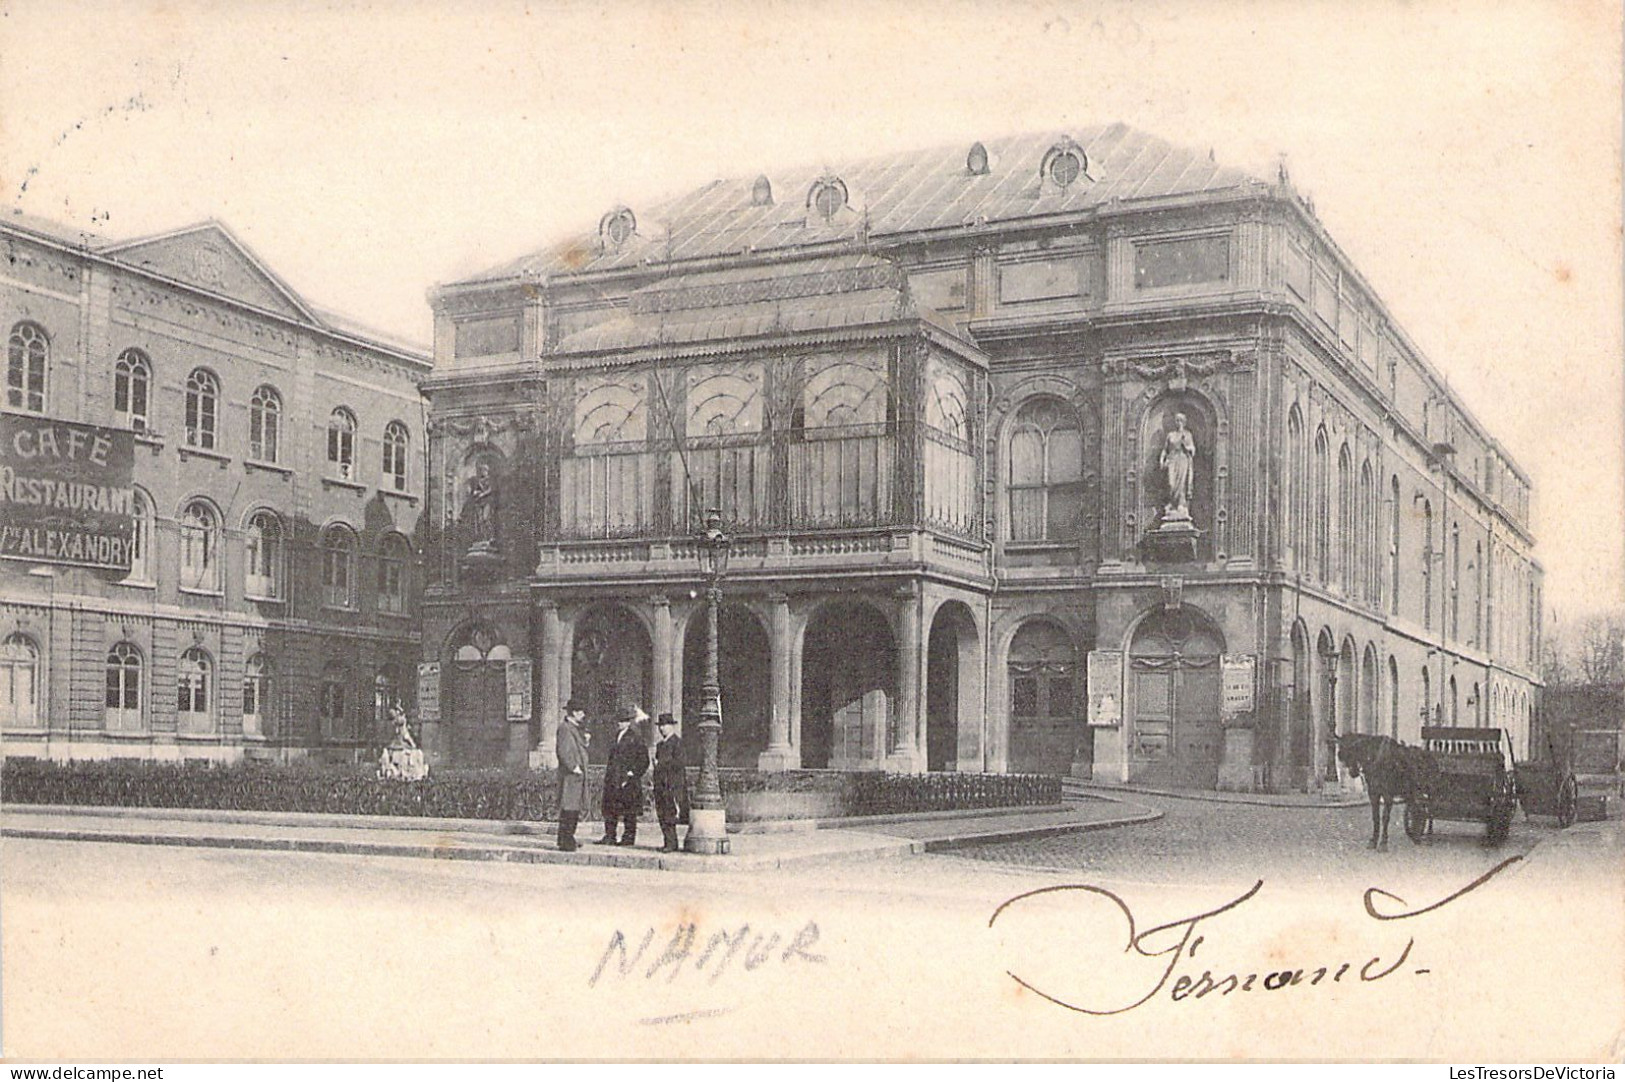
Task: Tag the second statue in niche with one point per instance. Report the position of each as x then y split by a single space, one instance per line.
1178 461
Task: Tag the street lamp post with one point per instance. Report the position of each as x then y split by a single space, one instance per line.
708 818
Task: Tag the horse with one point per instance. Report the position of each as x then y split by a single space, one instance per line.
1392 770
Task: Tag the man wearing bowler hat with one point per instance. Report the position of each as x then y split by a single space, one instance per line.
623 778
572 753
671 782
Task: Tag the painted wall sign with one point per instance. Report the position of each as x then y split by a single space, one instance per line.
66 493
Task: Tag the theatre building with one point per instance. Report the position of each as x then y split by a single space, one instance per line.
269 609
1076 453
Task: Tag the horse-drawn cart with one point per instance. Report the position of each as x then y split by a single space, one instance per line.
1473 782
1548 787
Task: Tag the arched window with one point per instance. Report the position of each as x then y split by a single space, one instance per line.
26 364
262 578
200 548
1393 697
202 409
1426 710
396 441
1321 513
265 424
341 444
1046 472
132 380
1427 563
192 693
1292 488
1478 593
338 567
393 556
19 683
140 539
257 696
337 720
123 701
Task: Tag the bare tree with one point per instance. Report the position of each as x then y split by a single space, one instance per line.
1599 645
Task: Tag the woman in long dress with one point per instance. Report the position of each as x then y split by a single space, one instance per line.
1178 456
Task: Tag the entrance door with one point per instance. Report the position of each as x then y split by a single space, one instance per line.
1177 686
477 699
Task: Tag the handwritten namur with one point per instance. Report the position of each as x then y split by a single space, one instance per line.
1178 941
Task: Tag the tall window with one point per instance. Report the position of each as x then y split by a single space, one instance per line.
1322 509
393 555
1427 563
140 538
338 567
25 368
1478 593
1455 581
264 424
1393 697
1393 545
192 691
336 723
19 682
1348 536
200 547
256 696
386 692
132 380
341 444
1368 535
395 444
124 689
263 576
1046 473
1292 487
202 409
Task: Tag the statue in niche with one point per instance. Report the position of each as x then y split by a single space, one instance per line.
1178 461
479 515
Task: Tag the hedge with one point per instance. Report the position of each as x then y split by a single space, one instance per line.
517 795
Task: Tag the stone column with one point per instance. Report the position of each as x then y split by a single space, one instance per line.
779 755
660 662
548 706
903 756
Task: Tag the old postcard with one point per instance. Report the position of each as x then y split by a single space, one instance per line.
763 531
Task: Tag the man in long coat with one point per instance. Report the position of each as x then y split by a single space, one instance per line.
572 753
623 778
671 782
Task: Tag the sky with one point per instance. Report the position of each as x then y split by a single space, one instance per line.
1465 154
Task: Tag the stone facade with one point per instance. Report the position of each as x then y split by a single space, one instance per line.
938 428
273 610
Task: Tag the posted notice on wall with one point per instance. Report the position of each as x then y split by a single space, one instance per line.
66 492
428 691
1238 698
1105 688
519 689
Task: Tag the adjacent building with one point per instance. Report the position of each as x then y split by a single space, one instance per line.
1076 453
271 609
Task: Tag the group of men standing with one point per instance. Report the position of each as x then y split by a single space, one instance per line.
623 778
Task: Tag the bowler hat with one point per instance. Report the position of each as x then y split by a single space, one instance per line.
665 720
631 715
576 705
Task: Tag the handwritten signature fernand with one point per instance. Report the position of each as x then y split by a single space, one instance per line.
1178 942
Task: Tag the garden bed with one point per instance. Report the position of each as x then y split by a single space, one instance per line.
512 795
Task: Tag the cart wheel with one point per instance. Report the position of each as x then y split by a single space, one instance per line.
1568 799
1416 818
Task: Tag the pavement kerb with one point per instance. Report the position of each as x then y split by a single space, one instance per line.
1210 796
501 827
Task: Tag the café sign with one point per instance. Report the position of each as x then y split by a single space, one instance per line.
66 492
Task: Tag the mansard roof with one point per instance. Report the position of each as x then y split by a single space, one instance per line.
891 196
760 300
